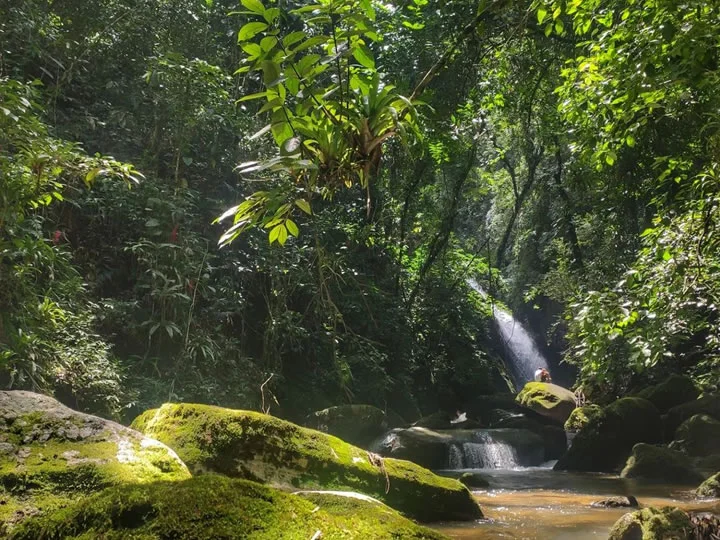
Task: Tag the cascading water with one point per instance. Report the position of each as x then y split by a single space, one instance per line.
490 450
522 352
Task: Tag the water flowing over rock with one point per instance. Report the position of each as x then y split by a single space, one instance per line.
522 354
465 449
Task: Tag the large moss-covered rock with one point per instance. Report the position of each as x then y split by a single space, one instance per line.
581 416
211 507
658 463
606 441
259 447
548 400
710 487
709 405
673 391
51 455
653 524
699 435
356 424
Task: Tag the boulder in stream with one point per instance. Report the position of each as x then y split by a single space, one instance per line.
210 506
51 455
262 448
474 480
667 523
616 502
606 441
658 463
548 400
673 391
710 487
699 435
356 424
709 405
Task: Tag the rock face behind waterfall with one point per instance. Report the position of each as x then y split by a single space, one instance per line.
356 424
51 455
606 441
266 449
548 400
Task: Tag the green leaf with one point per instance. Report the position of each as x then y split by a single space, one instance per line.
364 56
282 235
271 72
250 30
541 14
260 133
292 227
254 5
303 205
630 140
292 38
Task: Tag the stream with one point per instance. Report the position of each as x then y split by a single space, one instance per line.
537 503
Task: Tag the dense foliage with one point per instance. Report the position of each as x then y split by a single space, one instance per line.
313 184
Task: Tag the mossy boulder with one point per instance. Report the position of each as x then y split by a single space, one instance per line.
258 447
548 400
51 455
211 507
710 487
581 416
673 391
667 523
699 435
709 405
605 442
356 424
657 463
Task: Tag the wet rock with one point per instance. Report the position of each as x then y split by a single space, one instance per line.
262 448
606 441
437 420
53 455
667 523
474 480
548 400
658 463
673 391
710 487
554 438
699 435
356 424
420 445
616 502
209 507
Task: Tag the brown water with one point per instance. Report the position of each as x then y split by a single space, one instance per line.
542 504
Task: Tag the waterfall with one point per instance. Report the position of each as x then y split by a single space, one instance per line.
523 356
486 452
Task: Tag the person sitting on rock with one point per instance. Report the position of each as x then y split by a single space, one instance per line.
542 375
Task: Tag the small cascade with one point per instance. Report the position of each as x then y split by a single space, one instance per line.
523 356
492 449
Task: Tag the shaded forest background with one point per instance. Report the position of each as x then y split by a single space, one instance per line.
565 156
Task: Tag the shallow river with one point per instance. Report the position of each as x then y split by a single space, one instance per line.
542 504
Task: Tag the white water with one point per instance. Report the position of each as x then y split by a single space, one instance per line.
487 453
521 351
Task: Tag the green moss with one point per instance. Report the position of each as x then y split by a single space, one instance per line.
550 400
215 507
709 405
581 416
54 456
673 391
699 435
667 523
710 487
660 464
606 441
258 447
